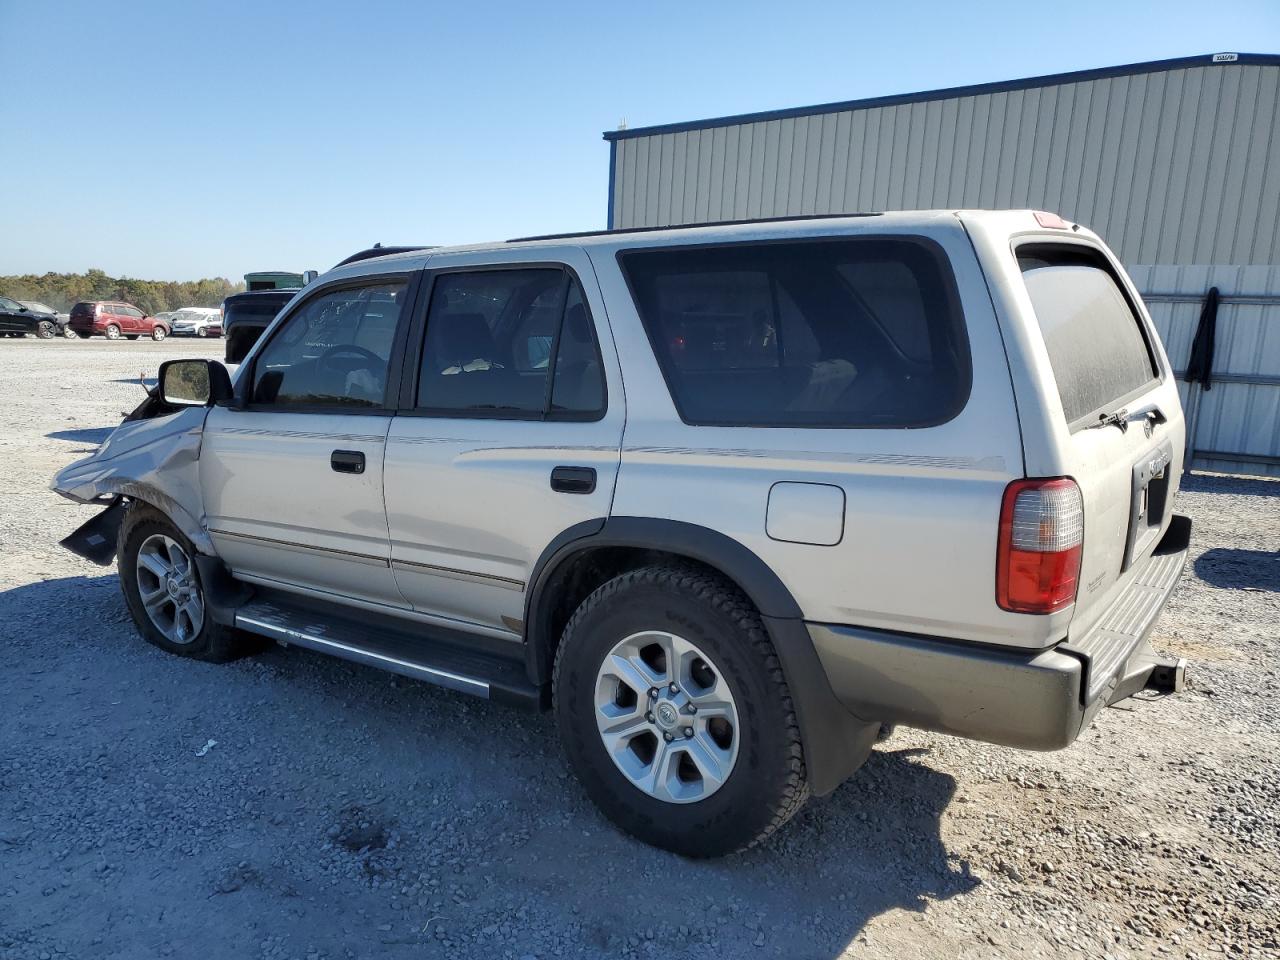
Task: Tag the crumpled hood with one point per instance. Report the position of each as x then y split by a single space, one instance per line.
155 460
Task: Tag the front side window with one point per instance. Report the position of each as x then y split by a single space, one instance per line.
334 350
1096 346
829 333
515 343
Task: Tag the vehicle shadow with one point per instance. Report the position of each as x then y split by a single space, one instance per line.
85 435
475 793
1235 569
1240 486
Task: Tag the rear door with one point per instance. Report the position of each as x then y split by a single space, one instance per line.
509 434
1120 427
11 317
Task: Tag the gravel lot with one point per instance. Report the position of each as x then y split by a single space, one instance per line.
340 812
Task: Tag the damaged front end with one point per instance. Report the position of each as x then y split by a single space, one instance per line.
154 457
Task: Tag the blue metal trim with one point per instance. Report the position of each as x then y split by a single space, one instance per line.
613 173
977 89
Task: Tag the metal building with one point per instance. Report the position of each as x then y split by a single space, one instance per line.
1176 163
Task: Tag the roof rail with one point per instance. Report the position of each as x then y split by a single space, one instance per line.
378 250
690 226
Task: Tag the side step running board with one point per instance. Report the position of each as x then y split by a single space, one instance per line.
408 649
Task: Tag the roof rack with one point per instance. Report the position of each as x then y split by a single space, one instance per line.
378 250
690 226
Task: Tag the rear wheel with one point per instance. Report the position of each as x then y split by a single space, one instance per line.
675 714
158 333
163 590
46 329
112 332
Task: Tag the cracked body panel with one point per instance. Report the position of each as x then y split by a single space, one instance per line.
154 460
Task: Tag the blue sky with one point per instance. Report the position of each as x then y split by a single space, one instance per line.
177 140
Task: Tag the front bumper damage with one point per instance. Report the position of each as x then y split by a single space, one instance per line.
1038 700
153 460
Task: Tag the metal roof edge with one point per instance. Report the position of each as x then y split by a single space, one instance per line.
976 89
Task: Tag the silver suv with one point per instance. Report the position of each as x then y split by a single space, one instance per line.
728 499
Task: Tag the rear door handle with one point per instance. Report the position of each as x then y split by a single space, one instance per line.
573 480
347 461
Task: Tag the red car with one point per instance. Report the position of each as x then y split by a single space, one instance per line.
114 320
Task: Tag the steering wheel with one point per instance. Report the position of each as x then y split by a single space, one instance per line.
326 359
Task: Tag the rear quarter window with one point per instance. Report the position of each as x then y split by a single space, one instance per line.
1096 344
851 332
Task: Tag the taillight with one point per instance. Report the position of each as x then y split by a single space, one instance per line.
1041 536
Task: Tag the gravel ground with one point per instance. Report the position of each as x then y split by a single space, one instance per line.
295 806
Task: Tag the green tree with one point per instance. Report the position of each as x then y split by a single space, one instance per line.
61 290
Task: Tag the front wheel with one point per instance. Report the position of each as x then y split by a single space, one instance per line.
163 590
675 714
46 329
69 334
157 333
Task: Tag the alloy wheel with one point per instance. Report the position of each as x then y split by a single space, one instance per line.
169 589
667 717
113 332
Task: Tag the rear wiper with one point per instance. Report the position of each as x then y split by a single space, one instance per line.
1119 418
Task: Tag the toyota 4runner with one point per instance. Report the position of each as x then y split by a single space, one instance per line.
727 499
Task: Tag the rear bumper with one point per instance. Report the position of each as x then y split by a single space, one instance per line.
1037 700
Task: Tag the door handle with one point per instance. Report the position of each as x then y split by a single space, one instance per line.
347 461
573 480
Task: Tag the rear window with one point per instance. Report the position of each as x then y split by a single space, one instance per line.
826 333
1097 348
254 311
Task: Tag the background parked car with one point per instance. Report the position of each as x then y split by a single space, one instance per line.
63 318
197 322
246 315
113 320
17 320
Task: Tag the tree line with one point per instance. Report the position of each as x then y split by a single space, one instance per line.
61 290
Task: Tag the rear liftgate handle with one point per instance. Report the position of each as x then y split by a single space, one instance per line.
573 479
347 461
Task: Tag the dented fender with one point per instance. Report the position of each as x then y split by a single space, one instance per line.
156 461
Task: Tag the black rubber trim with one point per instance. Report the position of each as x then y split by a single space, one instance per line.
95 539
836 743
223 594
735 561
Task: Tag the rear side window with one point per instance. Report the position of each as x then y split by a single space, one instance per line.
1097 348
511 343
829 333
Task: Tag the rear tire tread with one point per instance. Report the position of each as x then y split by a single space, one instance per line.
723 596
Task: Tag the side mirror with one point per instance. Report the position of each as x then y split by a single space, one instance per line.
193 383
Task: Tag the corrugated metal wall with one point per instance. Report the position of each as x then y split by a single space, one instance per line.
1170 167
1234 426
1178 169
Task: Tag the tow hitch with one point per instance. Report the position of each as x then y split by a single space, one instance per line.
1169 675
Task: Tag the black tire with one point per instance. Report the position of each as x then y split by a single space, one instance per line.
83 336
215 642
132 336
768 784
46 329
